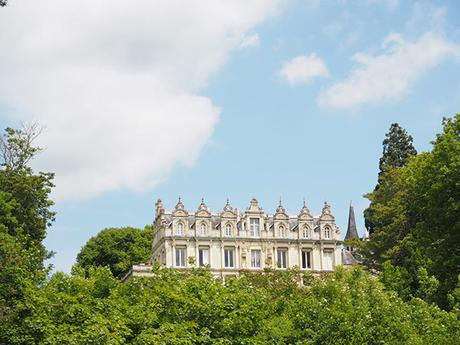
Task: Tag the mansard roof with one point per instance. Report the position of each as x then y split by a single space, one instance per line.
229 213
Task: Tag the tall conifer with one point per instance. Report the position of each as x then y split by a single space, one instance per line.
397 149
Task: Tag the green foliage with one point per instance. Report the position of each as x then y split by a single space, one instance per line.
192 307
27 193
416 215
117 248
397 150
25 216
16 146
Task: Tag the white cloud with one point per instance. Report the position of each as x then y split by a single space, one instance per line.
389 75
117 83
303 69
250 41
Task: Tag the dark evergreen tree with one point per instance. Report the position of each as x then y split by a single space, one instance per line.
397 149
3 3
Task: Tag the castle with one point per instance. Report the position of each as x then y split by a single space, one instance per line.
232 240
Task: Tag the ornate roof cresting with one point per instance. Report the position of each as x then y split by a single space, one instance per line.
326 209
304 210
202 206
227 206
280 208
180 205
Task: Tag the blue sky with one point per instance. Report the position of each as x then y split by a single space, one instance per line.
269 99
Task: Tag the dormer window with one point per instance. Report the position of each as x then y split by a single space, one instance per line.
254 227
180 229
281 231
203 229
306 232
327 232
228 230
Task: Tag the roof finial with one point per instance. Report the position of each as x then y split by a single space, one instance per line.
202 205
227 206
304 202
179 205
280 208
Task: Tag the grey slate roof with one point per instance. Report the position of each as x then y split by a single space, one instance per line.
352 232
348 258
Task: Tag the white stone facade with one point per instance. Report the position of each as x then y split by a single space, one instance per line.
231 240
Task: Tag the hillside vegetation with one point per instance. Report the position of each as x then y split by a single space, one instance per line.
407 292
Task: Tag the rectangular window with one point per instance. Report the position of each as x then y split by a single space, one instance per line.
181 252
306 259
328 260
282 258
255 258
229 257
254 227
203 256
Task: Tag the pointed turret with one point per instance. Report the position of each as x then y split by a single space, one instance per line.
352 232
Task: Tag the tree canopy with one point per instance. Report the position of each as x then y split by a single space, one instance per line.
192 307
117 248
416 217
397 150
25 215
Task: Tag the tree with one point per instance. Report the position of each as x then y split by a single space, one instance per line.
117 248
16 146
28 191
397 150
25 216
192 307
416 217
3 3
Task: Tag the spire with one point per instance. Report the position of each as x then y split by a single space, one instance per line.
351 230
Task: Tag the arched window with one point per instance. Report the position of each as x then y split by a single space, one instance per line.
327 232
203 229
228 230
305 232
180 229
281 231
